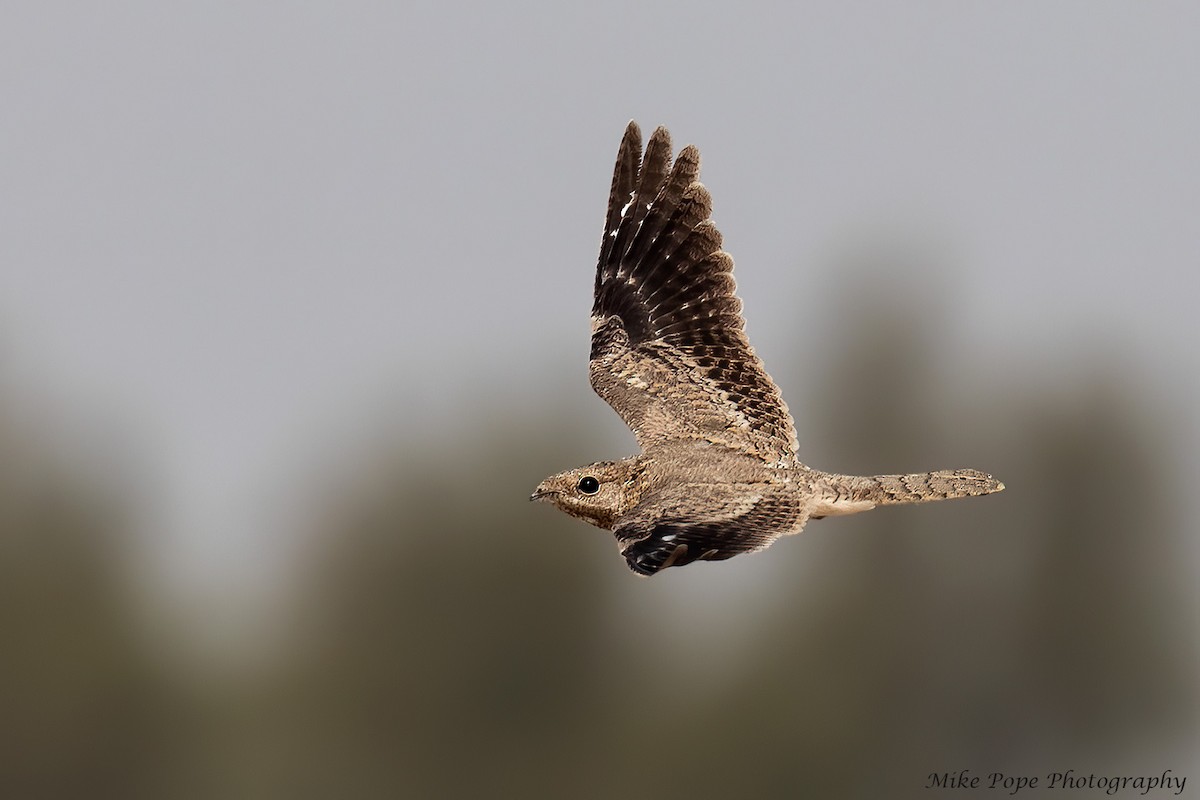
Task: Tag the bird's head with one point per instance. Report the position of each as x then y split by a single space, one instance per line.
597 493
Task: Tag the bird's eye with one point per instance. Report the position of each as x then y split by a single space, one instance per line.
588 485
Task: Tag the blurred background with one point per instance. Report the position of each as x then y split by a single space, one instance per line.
293 316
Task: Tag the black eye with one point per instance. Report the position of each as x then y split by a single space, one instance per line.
588 485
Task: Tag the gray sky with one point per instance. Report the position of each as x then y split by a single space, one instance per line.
230 226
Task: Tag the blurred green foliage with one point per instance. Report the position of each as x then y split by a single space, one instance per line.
444 638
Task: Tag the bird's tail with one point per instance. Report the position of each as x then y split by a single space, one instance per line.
848 494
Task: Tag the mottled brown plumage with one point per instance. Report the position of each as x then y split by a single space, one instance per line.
718 474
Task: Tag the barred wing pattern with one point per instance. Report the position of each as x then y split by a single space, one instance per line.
669 349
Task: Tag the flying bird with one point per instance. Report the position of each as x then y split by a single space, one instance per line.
718 473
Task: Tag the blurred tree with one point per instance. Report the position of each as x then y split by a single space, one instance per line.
446 639
456 648
86 706
445 649
890 666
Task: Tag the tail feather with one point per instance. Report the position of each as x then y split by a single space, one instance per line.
926 487
849 494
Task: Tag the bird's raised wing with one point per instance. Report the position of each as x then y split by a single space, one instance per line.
669 349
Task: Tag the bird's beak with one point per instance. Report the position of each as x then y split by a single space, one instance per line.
541 493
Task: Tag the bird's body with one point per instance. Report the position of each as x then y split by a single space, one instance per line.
718 474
